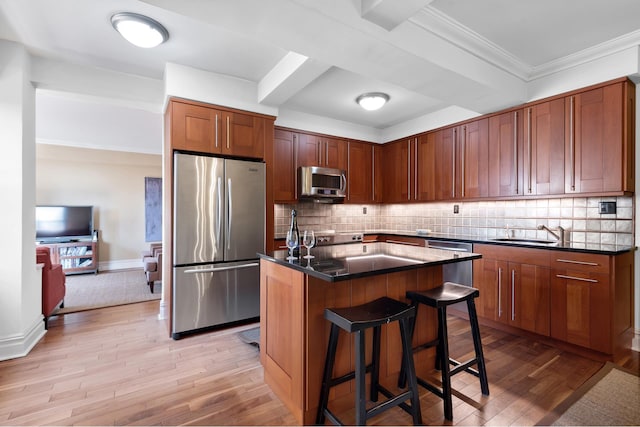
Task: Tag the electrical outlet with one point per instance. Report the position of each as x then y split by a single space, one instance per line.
364 210
607 207
456 209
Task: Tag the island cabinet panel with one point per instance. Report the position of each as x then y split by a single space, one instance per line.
295 334
281 339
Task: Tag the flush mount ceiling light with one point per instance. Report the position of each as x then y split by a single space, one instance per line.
372 101
139 30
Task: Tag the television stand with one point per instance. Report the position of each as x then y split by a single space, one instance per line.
75 256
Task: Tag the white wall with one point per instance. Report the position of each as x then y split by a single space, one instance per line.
21 325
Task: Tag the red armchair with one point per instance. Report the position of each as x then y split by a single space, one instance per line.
53 282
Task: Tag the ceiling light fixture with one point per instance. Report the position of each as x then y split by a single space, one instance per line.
139 30
372 101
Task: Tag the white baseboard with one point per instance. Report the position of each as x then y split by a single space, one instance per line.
20 345
635 343
121 264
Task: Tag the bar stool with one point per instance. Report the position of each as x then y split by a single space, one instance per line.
357 320
439 298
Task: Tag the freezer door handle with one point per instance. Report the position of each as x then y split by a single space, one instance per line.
217 269
219 218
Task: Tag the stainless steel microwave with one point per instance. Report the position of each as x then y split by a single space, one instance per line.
322 184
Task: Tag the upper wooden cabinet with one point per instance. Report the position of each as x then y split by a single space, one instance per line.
284 180
472 172
505 154
398 170
319 150
360 178
600 138
207 129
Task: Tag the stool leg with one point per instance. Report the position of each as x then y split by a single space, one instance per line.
328 372
410 372
402 377
444 362
375 361
361 370
477 344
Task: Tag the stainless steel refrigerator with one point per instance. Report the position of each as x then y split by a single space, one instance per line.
219 226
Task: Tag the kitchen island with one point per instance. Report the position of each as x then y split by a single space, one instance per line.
294 332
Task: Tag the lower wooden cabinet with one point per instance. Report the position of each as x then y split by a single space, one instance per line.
580 298
514 287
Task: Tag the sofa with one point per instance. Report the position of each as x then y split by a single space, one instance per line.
152 263
53 283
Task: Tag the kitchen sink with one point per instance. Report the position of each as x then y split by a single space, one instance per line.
525 241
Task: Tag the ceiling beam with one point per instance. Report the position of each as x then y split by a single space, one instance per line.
388 14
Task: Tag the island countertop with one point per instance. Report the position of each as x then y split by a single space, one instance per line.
355 260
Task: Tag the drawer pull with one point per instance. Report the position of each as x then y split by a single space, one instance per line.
562 276
569 261
403 243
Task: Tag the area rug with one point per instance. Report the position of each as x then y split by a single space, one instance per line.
610 398
251 336
106 289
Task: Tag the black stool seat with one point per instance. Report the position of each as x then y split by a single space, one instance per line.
447 294
439 298
357 320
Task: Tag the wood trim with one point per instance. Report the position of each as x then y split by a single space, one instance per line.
219 107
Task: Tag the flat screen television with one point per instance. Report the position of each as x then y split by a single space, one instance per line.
63 223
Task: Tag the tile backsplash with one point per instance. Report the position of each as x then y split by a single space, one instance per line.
487 219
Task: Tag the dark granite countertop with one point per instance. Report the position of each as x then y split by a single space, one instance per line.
596 248
355 260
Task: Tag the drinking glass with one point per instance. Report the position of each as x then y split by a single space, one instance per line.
309 241
292 243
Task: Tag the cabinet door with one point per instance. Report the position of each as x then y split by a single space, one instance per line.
474 159
334 153
243 135
529 295
544 148
284 180
378 172
195 128
505 154
398 171
595 141
308 150
425 179
445 163
359 173
580 309
487 278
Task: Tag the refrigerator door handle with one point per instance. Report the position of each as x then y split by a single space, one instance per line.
219 218
230 216
216 269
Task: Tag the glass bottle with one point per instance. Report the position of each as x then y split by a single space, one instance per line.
294 227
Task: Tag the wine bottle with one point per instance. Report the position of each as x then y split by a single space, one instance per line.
294 227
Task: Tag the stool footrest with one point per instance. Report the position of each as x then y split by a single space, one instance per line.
348 377
425 346
466 366
393 400
327 413
433 389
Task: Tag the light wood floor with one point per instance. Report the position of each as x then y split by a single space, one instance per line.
117 366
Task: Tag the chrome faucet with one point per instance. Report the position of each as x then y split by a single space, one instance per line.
560 230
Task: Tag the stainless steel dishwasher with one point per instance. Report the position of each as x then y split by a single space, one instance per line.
459 272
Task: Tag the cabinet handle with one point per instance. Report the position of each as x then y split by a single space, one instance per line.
403 243
373 174
408 169
453 162
515 147
570 261
463 144
415 171
216 131
529 154
228 130
499 292
326 153
295 157
562 276
572 165
513 295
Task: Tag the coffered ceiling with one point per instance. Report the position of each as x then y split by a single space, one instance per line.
315 57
